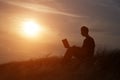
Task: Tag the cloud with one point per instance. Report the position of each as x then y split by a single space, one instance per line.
39 8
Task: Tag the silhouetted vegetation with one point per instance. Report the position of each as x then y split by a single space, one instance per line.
106 67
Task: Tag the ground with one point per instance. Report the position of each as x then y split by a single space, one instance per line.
105 67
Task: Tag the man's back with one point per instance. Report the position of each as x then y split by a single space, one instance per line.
89 46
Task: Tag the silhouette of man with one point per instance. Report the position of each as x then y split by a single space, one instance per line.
84 52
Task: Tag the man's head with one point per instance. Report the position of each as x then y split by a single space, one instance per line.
84 31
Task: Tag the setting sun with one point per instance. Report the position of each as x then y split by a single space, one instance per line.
31 28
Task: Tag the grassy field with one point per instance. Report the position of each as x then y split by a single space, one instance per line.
106 66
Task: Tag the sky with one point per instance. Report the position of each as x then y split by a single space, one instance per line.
62 19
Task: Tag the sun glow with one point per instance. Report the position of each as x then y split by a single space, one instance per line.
31 28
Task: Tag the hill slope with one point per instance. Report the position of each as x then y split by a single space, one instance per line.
106 67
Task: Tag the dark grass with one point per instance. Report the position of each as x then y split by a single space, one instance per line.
106 66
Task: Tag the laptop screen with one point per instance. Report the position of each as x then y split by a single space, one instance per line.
65 43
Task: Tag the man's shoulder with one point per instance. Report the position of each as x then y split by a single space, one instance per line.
89 38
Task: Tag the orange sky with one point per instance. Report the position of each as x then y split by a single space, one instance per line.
61 20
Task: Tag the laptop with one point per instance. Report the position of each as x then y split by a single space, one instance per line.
65 43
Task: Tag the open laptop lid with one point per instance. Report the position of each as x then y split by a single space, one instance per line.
65 43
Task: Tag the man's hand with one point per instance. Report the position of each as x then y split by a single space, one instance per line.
74 46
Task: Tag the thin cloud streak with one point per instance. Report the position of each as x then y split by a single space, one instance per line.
41 8
110 4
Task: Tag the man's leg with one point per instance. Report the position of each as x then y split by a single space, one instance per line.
72 52
68 55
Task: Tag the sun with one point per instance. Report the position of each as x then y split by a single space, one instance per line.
31 28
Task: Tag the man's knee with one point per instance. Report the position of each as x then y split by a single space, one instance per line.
74 51
71 49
